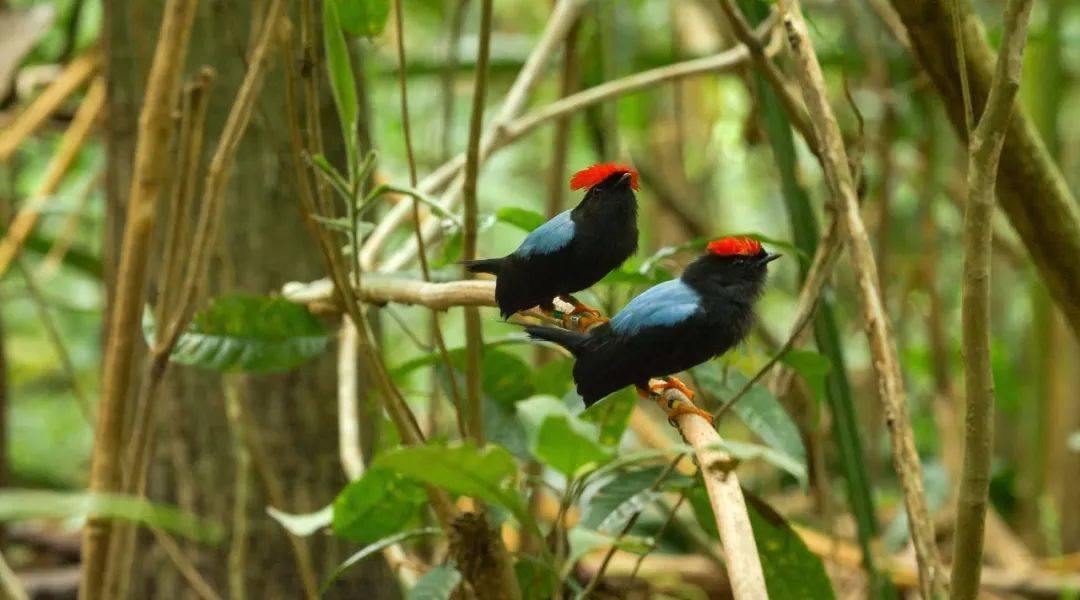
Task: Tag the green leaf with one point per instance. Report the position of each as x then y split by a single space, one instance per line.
342 80
745 451
536 579
522 218
791 569
611 415
342 224
251 334
460 469
380 503
305 524
758 409
698 497
365 18
560 440
583 541
436 584
611 506
555 377
813 368
378 546
19 505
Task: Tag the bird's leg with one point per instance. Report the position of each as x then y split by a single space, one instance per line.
671 403
581 317
580 307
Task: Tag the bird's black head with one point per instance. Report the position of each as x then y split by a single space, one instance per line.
731 262
606 181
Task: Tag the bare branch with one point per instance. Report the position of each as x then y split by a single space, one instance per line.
844 200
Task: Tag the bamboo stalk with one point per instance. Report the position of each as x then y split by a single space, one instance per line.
984 152
841 183
151 157
66 152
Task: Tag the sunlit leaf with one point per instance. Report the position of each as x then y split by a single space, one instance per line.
251 334
19 505
365 18
380 503
560 440
460 469
436 584
612 505
304 524
522 218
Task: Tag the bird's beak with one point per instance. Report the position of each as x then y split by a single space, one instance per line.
768 258
625 178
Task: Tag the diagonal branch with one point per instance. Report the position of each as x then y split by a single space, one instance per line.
886 364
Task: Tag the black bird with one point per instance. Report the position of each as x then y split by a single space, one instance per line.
573 250
672 326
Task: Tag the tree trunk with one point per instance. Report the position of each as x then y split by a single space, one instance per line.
262 243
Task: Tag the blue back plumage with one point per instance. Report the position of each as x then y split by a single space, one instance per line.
662 305
549 237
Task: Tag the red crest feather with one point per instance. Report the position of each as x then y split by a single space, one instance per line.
590 176
731 246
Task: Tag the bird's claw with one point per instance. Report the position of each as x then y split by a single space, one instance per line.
583 321
671 404
671 383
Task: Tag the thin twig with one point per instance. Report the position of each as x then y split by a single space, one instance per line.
9 582
844 198
659 532
53 333
473 332
436 330
984 152
238 537
668 470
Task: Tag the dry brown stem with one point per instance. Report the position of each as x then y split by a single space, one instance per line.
66 151
841 184
73 76
984 151
151 160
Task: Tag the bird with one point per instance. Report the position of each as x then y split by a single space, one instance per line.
573 250
670 327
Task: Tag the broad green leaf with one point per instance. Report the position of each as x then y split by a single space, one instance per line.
251 334
505 429
365 18
745 451
611 415
791 569
460 469
380 503
698 497
583 541
758 409
19 505
342 80
436 584
522 218
559 439
554 378
305 524
611 506
378 546
506 377
536 579
811 366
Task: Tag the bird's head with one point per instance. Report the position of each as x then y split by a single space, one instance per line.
606 179
734 260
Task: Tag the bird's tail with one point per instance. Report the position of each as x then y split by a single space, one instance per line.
484 265
571 340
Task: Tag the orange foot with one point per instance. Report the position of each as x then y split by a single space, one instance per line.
674 406
582 317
